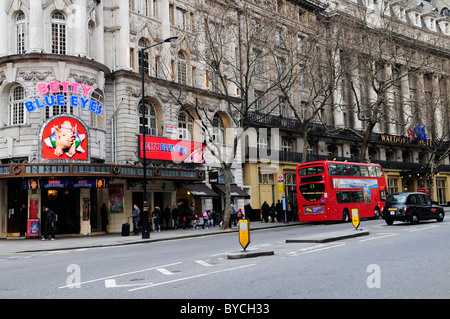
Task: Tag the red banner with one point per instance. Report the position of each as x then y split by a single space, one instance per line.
178 151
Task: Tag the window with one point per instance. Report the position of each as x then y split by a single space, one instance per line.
141 45
180 19
392 185
280 67
16 106
57 109
256 62
286 145
185 125
20 33
58 33
441 193
218 134
151 121
181 66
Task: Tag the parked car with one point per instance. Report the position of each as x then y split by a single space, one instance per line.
411 207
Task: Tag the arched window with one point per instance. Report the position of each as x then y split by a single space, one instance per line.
58 33
182 68
185 125
143 44
20 33
151 120
16 114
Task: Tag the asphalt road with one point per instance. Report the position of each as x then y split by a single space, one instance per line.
399 261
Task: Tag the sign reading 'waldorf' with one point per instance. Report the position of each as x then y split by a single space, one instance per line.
53 94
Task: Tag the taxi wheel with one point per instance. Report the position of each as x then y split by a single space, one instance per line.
414 219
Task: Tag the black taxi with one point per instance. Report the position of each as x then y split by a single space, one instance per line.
411 207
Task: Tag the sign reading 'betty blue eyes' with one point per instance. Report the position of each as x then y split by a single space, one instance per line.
53 95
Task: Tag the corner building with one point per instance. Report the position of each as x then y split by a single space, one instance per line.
71 113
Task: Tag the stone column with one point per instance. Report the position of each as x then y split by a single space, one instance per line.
123 42
36 32
78 28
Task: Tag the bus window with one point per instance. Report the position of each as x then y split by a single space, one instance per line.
358 197
332 170
310 170
379 171
312 192
372 171
355 170
364 171
342 171
383 195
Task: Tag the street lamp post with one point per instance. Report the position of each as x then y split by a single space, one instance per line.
145 224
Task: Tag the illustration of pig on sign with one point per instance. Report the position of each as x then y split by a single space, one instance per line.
64 139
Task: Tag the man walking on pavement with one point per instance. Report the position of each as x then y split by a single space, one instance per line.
50 219
136 215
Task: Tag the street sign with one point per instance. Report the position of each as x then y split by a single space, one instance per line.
244 233
355 217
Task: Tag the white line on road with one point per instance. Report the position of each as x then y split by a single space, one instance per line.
111 283
383 235
118 275
203 263
191 277
165 271
424 228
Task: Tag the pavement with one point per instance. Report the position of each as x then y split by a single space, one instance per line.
96 240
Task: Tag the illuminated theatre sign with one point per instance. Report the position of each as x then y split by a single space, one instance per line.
53 94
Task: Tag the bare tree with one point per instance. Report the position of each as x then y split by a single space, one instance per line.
240 49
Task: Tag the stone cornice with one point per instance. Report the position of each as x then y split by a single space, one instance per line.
32 57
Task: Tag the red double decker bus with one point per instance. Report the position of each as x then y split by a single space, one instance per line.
329 190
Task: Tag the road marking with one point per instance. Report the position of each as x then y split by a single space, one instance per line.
111 283
324 248
383 235
203 263
191 277
313 249
424 228
118 275
165 271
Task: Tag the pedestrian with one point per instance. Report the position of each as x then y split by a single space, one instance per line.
194 221
175 216
166 216
233 214
190 216
248 211
240 214
279 209
50 219
104 216
136 215
273 212
205 220
157 218
265 212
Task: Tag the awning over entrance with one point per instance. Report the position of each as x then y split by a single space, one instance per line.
200 190
235 191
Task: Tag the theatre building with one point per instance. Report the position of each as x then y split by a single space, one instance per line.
71 118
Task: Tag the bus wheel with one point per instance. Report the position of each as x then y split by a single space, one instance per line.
377 213
346 216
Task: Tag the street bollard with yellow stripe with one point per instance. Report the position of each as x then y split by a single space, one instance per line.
244 233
